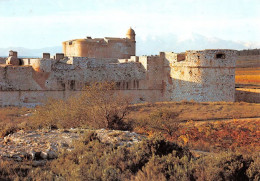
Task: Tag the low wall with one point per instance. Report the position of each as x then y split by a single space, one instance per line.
33 98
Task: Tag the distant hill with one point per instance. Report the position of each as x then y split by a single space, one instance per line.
26 52
155 44
152 45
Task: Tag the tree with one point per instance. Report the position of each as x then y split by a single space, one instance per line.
107 107
164 120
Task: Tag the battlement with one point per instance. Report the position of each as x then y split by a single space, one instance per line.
201 58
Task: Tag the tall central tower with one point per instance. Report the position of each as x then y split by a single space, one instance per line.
108 47
130 35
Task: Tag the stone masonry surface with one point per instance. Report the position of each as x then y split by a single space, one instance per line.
205 75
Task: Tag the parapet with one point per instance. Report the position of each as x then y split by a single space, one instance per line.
46 55
212 57
202 58
59 56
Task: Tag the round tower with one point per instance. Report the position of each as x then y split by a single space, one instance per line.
12 60
130 34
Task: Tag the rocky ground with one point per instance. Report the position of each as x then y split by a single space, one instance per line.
42 145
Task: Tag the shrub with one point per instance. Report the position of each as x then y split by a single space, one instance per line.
11 170
93 160
151 159
253 172
164 120
223 166
168 167
7 128
96 107
106 108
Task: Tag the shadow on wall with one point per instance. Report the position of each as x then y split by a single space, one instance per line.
247 95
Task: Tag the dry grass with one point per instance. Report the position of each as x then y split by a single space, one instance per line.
202 126
236 135
96 161
13 119
248 61
248 76
206 131
184 111
248 70
198 111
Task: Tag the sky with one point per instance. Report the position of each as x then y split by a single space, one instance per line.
45 23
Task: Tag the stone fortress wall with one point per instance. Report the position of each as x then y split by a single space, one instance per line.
203 76
207 75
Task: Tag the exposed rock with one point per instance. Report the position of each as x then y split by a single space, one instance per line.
118 137
46 144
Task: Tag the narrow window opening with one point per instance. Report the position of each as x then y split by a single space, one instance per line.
118 85
123 85
181 57
220 55
72 84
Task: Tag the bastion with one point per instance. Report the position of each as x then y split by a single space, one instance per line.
202 76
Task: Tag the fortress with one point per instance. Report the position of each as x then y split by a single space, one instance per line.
206 75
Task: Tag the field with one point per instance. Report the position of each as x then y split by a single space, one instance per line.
201 126
186 141
248 76
248 70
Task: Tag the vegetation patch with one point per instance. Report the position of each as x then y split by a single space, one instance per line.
197 141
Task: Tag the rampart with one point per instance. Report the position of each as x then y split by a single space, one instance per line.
206 75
